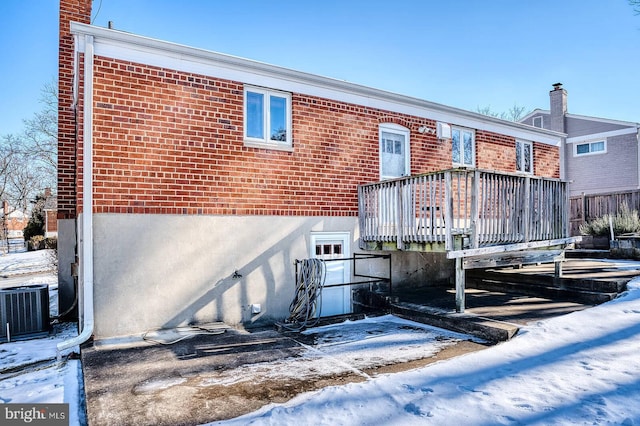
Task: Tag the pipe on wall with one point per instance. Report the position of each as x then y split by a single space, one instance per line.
86 259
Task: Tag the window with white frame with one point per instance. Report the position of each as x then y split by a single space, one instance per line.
537 121
463 146
524 157
588 148
267 117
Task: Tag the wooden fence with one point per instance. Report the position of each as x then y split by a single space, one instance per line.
584 208
484 208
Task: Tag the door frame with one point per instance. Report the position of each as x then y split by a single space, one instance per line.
345 238
398 130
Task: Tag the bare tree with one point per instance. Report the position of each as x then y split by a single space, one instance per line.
28 161
40 136
514 113
636 6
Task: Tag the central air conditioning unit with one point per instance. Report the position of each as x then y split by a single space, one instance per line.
24 311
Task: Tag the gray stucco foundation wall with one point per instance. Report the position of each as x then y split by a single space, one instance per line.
413 269
66 257
418 269
157 271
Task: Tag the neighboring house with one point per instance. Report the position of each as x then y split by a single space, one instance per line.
13 221
212 174
50 214
600 155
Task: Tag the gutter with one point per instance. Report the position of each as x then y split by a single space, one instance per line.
112 43
86 259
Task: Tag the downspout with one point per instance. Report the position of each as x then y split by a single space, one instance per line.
86 260
638 151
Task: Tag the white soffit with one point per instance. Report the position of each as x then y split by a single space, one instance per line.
129 47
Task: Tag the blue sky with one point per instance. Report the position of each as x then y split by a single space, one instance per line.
464 53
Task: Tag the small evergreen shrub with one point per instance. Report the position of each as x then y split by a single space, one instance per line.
626 221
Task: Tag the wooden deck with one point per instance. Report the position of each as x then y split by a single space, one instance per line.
467 213
461 209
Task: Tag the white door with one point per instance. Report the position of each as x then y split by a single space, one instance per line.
336 300
394 151
394 163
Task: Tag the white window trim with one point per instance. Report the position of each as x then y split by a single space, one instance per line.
589 142
523 143
473 147
266 142
400 130
534 119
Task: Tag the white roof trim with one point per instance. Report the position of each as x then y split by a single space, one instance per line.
538 111
135 48
604 120
533 113
603 135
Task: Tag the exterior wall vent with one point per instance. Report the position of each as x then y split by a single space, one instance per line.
24 311
443 130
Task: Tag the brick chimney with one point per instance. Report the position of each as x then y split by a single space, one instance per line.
79 11
558 107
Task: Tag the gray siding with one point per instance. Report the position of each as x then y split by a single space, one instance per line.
546 120
577 127
617 170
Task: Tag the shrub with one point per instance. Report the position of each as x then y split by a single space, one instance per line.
51 243
624 222
36 242
35 226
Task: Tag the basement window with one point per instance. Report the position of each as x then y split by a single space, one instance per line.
267 118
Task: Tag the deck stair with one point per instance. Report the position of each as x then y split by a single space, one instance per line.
580 290
484 328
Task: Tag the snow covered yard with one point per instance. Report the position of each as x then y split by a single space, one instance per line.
581 368
29 371
25 262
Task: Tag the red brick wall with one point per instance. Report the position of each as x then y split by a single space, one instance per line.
498 152
546 160
169 142
79 11
52 223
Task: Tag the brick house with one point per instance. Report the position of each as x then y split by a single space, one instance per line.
50 214
211 174
13 221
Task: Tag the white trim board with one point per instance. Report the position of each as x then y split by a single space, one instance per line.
126 46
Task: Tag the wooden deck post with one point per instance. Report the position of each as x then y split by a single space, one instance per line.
448 212
526 211
558 266
460 283
399 215
475 211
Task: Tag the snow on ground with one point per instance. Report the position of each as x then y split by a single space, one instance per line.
29 371
24 262
581 368
347 347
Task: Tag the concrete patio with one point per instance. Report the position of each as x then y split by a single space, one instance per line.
221 375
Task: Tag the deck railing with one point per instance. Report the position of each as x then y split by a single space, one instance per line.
480 208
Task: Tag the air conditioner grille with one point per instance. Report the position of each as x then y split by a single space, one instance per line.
25 310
